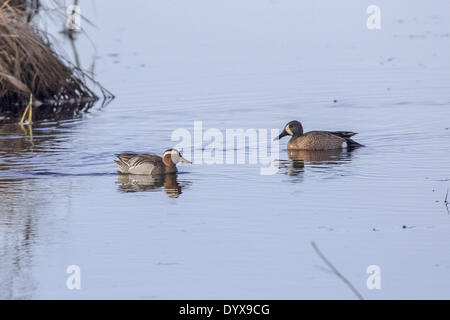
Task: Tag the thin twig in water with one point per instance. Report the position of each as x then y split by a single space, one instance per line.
446 202
335 271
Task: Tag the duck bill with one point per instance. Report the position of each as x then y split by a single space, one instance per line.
282 134
185 161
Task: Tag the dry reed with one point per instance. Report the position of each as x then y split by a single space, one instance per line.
29 65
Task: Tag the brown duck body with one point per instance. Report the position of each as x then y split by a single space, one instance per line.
317 141
143 164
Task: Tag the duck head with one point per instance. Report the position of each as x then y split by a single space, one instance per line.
293 128
172 156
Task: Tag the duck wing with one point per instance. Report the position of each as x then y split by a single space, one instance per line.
343 134
131 157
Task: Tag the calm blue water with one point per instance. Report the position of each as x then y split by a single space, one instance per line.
226 231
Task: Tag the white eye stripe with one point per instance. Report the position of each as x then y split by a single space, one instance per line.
171 152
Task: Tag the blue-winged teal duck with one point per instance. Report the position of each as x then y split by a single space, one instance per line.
148 163
317 140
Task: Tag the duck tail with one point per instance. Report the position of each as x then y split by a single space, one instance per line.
122 167
352 144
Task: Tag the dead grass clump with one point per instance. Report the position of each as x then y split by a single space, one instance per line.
28 65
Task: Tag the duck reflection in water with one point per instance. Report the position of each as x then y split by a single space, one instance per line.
320 159
138 183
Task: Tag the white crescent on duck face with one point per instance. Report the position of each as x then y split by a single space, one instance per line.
134 163
317 140
288 130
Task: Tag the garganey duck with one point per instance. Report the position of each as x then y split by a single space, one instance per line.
133 163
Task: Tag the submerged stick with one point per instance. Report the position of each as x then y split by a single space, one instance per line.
335 271
29 111
446 202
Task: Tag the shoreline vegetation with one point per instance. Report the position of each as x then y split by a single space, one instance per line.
30 68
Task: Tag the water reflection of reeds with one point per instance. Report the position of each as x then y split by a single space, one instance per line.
23 198
17 235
